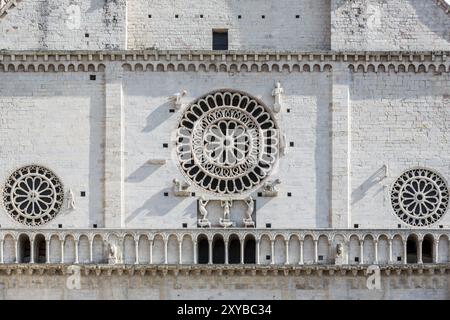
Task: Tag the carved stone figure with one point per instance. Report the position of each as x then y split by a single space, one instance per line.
176 99
203 222
270 188
180 189
248 220
225 221
112 253
71 200
340 258
276 93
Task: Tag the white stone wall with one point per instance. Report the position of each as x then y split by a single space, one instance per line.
63 25
380 25
237 287
399 120
279 30
56 120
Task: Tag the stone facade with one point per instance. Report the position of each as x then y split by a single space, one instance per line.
95 100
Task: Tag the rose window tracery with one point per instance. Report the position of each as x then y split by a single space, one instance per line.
33 195
420 197
227 142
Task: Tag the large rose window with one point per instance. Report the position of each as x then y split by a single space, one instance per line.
33 195
420 197
227 142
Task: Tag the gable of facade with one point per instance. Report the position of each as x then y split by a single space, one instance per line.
305 25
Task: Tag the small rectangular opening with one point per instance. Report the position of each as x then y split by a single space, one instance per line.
291 144
320 258
166 194
268 225
399 226
83 194
356 226
59 226
289 194
184 225
356 259
165 145
94 226
259 194
220 39
399 258
93 77
193 194
267 257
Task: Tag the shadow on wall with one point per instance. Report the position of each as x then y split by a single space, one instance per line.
143 172
439 23
158 116
322 158
430 15
157 205
372 181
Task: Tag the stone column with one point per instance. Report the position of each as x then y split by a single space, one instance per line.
242 251
361 251
436 251
300 261
180 252
258 252
316 250
16 248
151 252
272 248
47 251
32 251
114 147
226 252
287 251
195 253
210 252
340 147
166 251
390 252
62 251
405 253
2 259
376 251
76 252
136 248
91 250
419 252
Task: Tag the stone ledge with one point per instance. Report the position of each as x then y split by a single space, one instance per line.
209 270
224 56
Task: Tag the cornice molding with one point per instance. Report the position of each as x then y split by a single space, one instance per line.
225 56
219 270
229 61
6 5
444 5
